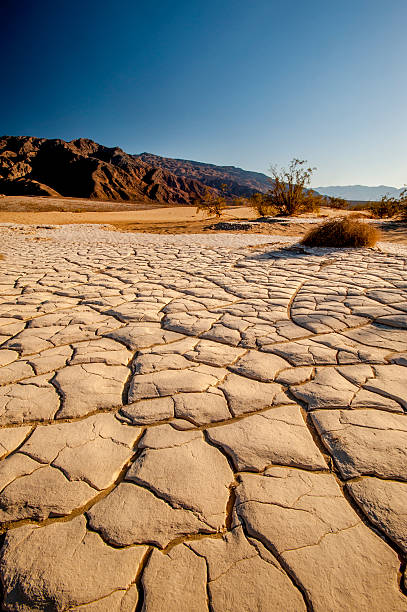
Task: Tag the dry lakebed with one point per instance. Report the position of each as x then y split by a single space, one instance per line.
201 423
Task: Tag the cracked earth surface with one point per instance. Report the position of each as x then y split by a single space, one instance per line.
192 424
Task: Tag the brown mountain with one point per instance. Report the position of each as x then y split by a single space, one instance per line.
82 168
85 169
239 182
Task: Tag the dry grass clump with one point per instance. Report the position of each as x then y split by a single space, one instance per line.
360 215
342 232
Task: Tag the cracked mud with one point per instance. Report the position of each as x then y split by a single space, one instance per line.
187 423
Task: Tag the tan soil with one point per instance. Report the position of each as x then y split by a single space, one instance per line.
155 218
37 204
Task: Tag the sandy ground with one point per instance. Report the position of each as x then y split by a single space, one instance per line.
155 218
74 205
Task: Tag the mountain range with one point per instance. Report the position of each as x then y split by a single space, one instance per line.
359 192
238 182
85 169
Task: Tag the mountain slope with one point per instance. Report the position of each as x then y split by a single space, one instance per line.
358 192
239 182
83 168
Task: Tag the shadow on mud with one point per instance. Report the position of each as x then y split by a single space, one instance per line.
294 251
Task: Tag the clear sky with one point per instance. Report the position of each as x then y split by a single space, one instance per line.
232 82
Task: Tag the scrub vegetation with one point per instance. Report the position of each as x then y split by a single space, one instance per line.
342 232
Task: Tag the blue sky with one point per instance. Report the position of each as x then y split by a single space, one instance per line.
228 82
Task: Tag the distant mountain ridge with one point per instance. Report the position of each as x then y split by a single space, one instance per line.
85 169
239 182
359 192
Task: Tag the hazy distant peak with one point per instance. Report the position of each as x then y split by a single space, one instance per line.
359 192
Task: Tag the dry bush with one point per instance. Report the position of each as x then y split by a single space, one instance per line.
259 203
362 206
289 193
360 215
390 206
240 201
337 203
387 207
212 203
342 232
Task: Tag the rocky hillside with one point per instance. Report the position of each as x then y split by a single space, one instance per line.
82 168
239 182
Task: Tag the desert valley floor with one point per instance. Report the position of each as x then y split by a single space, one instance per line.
196 423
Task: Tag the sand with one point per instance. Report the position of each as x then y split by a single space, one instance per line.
157 218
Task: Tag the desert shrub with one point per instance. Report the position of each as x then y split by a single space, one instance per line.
260 204
240 201
342 232
386 207
360 215
212 202
390 206
361 206
289 193
337 203
402 200
314 202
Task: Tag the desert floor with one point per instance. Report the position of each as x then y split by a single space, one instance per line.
201 422
154 218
